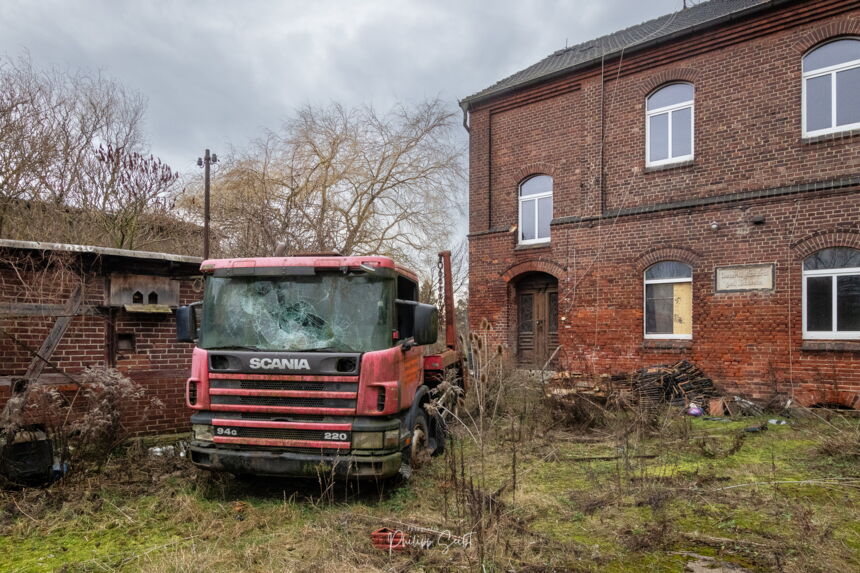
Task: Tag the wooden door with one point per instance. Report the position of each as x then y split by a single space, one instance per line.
537 320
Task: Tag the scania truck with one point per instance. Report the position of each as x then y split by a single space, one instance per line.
319 363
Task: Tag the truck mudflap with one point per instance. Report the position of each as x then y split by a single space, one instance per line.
292 464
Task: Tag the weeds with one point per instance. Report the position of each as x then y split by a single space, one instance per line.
840 438
85 421
518 488
715 446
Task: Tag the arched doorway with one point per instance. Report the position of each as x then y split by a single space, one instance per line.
536 307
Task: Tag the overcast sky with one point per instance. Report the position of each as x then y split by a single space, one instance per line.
216 73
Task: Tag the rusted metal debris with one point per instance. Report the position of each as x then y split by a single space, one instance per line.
678 385
388 539
567 386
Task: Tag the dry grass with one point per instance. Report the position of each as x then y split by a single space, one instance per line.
534 494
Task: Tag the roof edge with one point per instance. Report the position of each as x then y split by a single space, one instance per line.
468 103
94 250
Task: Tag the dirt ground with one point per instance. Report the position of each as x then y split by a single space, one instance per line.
689 495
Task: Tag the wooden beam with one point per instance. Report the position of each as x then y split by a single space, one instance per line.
15 309
70 309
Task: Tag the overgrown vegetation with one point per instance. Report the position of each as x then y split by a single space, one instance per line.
521 490
85 423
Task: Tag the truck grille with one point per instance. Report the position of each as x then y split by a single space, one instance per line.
281 417
287 434
283 385
284 402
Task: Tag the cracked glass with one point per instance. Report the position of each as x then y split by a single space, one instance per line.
330 311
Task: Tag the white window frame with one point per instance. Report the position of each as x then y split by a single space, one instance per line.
669 109
832 71
645 305
537 240
828 334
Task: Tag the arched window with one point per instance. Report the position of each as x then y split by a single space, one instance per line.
831 294
831 88
669 125
669 300
535 209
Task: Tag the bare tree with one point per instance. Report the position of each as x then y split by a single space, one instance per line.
26 136
345 180
124 192
74 165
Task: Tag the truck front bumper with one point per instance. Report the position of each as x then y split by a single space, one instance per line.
289 464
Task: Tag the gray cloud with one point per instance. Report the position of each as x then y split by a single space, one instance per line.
216 73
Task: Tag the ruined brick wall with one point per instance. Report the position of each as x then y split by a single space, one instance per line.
610 223
157 361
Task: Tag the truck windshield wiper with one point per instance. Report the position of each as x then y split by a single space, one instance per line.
323 349
234 347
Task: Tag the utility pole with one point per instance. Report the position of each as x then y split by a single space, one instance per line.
205 162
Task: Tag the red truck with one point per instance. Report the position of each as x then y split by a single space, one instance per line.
313 364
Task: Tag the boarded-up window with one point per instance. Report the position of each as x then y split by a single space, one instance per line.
669 300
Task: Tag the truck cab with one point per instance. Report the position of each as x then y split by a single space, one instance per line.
313 364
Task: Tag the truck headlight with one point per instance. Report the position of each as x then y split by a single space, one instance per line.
367 440
202 432
391 439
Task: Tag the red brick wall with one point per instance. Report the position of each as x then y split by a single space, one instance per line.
155 339
747 140
159 363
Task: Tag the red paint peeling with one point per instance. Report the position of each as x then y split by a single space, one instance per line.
284 377
282 425
281 409
200 376
284 443
281 393
380 369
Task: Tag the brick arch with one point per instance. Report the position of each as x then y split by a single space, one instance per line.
653 82
825 238
536 168
828 396
834 29
672 253
542 266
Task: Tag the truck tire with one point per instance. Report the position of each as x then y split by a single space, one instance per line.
420 448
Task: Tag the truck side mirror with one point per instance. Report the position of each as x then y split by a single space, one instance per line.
186 323
426 324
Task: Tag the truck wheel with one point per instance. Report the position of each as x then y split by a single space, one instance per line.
420 449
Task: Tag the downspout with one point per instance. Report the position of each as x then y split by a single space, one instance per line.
600 191
465 108
489 170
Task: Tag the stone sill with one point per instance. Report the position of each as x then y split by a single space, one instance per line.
831 345
656 344
668 166
850 134
533 247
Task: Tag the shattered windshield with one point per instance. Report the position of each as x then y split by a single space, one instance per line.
328 311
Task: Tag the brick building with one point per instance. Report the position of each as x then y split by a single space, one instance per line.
82 306
685 188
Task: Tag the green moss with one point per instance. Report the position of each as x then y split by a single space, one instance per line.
93 548
624 514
